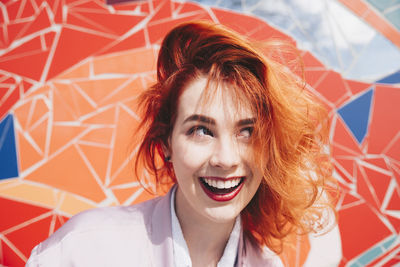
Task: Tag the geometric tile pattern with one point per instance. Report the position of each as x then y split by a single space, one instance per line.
70 74
351 37
382 15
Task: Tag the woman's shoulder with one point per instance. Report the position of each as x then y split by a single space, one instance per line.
108 218
112 229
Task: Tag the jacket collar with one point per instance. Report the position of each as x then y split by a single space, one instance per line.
161 234
161 237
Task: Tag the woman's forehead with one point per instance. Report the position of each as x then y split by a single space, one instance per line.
204 96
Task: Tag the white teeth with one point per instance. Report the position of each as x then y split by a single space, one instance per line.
220 184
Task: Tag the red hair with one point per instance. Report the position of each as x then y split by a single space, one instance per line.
290 133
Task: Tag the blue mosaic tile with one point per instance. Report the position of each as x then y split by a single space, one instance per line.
394 17
356 114
389 242
8 152
391 79
382 5
370 255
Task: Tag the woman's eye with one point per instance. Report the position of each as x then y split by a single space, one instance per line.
246 132
200 131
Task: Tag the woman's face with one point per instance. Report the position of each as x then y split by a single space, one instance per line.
211 154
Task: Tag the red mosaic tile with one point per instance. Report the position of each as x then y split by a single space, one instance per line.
15 30
394 203
9 257
394 222
344 137
353 229
385 123
347 164
332 87
9 102
28 10
40 22
349 200
246 25
96 6
70 50
357 87
314 77
37 232
13 8
17 212
311 62
23 64
131 42
57 11
23 50
392 262
379 162
3 92
188 7
163 10
26 85
379 181
394 150
143 6
365 189
108 23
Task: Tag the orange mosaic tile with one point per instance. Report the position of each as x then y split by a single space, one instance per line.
79 71
98 158
58 173
40 196
135 61
32 153
72 205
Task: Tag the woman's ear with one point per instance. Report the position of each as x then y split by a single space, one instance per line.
167 152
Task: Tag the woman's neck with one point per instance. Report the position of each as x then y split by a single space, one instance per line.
206 239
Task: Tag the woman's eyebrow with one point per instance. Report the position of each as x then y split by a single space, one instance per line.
200 118
246 122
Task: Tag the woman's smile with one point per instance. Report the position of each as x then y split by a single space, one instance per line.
222 189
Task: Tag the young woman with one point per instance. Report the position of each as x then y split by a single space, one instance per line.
244 146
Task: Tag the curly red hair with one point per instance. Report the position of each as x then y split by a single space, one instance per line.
289 140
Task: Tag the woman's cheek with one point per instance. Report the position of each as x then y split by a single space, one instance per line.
194 155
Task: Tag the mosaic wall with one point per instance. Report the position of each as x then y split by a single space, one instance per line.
70 74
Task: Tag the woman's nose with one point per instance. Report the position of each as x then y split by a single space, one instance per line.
226 154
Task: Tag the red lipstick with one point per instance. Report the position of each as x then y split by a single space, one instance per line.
221 195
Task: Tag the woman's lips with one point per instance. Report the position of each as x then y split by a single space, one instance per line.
221 189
